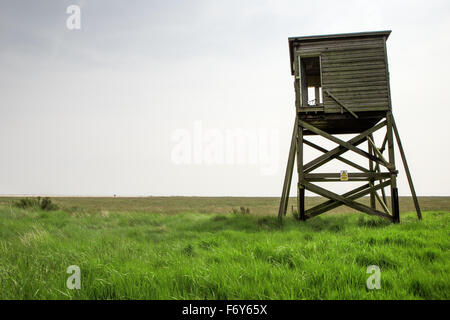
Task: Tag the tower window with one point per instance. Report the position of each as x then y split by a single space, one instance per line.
311 83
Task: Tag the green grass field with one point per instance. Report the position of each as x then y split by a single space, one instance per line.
127 249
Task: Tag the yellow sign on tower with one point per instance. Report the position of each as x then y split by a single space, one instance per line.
344 175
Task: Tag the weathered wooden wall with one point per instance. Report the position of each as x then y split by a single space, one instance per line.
354 70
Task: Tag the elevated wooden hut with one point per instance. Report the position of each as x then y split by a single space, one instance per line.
342 87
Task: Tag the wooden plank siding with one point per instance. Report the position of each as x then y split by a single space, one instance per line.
353 70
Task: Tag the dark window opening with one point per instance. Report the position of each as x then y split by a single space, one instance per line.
311 84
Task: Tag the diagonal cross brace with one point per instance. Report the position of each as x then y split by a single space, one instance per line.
339 150
350 163
341 104
352 195
375 149
377 166
352 204
344 144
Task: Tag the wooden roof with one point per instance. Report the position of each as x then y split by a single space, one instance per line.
343 36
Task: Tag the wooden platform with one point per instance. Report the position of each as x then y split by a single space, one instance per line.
340 123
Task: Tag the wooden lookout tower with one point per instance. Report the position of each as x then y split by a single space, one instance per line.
342 87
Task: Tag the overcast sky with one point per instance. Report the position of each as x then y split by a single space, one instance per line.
116 107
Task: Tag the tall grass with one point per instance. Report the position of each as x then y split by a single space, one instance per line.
220 256
36 203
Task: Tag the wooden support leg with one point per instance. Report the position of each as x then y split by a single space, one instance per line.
302 204
288 176
301 188
405 165
395 208
371 181
394 190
